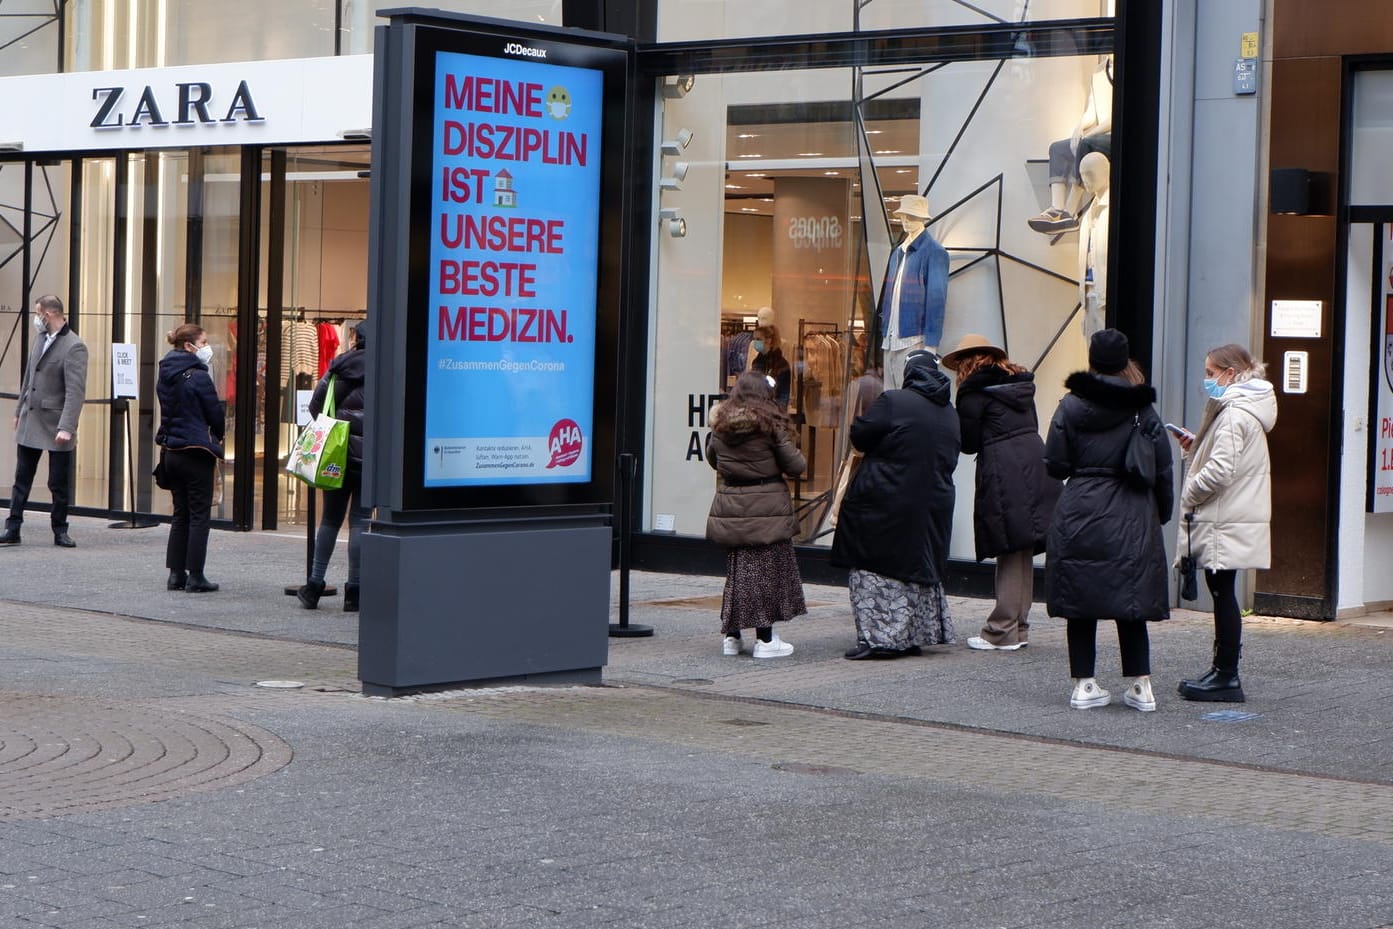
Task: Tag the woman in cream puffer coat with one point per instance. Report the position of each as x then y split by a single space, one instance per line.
1226 503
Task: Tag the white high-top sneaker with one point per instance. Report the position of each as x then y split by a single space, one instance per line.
1139 696
1087 694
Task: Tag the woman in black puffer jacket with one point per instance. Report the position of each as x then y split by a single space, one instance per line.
1105 555
191 440
752 449
347 373
1015 497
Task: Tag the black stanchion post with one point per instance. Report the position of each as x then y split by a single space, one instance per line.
624 503
124 407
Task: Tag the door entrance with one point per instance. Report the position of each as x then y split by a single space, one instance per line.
265 248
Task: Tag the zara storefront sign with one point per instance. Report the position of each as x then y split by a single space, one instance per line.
241 103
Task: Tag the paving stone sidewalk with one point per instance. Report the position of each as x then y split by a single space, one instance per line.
953 790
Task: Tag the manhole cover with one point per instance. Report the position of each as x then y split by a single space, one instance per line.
63 755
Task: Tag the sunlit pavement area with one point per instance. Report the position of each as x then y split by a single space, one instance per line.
146 780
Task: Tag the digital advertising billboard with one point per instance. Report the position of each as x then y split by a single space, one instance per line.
514 287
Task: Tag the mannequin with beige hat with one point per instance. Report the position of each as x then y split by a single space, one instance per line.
914 297
1014 499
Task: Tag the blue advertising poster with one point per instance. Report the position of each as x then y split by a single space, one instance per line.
513 272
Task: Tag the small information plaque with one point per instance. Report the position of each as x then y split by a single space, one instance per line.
1296 319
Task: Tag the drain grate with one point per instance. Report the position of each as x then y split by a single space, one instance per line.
1229 716
798 767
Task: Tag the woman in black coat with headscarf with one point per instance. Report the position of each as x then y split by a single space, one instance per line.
1106 558
895 521
1015 497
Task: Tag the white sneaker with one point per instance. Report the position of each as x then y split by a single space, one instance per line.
982 645
730 645
774 648
1087 694
1139 696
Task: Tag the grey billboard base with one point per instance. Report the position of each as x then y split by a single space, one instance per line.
466 605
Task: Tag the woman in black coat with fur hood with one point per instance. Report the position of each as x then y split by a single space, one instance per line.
1106 558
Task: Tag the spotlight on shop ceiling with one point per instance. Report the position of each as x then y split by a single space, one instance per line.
677 86
676 225
678 145
11 146
355 135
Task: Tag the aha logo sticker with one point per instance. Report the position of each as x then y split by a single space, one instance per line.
564 444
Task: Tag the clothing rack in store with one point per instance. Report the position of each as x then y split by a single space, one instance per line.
736 333
809 328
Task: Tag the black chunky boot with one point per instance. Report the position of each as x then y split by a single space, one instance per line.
177 580
309 594
1215 686
350 598
198 584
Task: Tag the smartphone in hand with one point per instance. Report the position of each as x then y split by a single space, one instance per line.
1180 432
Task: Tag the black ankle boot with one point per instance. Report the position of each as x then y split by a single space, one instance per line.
177 580
198 584
350 598
309 594
1215 686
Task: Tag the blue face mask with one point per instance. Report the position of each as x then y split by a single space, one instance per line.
1212 388
758 346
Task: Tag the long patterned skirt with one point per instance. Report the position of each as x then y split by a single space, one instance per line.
763 587
896 615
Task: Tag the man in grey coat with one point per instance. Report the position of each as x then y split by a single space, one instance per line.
50 400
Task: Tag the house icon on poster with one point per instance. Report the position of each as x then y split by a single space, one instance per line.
503 193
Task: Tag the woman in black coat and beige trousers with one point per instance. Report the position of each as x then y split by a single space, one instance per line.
1015 497
751 447
1106 558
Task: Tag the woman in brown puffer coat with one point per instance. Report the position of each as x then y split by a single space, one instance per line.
751 447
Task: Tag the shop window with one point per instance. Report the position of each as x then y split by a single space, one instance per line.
786 185
685 21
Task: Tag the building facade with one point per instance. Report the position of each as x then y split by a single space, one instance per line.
201 170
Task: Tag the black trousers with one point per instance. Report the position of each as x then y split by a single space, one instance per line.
1228 621
60 476
191 483
1132 642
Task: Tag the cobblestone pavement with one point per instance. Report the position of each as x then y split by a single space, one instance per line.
624 806
145 780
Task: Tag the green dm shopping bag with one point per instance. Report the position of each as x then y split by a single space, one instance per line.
320 454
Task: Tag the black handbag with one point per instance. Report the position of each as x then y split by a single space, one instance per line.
1139 459
160 474
1189 584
